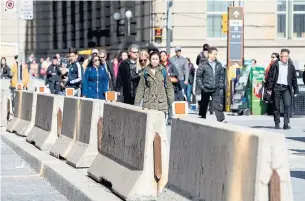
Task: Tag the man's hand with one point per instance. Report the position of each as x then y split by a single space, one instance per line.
269 93
119 93
186 82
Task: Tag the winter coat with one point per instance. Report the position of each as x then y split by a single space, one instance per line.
95 82
128 81
181 66
156 93
172 72
191 73
53 74
110 72
205 78
75 76
5 72
291 77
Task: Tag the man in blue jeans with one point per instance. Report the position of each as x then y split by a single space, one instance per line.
182 67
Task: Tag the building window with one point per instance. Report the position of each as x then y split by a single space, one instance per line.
73 33
298 19
54 6
281 19
215 9
291 19
64 24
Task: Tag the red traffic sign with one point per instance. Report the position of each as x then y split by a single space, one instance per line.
9 4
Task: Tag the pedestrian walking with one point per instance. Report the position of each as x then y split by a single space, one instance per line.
155 87
53 76
75 74
125 80
96 80
203 55
210 80
189 88
123 56
5 69
173 76
181 65
281 80
108 67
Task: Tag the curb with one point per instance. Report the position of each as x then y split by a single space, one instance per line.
73 183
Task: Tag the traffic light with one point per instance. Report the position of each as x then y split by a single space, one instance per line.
224 23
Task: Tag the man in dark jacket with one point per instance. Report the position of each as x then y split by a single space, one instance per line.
124 78
280 81
53 77
75 75
210 80
203 55
109 67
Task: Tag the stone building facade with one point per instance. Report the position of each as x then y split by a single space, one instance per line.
57 25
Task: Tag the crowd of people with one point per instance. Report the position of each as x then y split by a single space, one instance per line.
151 78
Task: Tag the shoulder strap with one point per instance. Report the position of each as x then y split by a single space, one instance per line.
164 76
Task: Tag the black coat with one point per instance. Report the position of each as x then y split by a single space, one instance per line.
127 81
304 77
111 78
191 73
273 74
173 72
205 78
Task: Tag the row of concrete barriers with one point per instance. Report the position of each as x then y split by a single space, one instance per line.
129 147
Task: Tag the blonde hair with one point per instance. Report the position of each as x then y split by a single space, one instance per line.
145 54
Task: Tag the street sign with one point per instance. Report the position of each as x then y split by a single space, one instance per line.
26 8
235 47
9 5
236 36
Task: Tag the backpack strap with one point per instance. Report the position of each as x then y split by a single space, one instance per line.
164 76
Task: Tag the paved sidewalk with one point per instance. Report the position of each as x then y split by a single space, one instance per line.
21 183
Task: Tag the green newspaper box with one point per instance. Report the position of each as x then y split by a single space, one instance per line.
257 105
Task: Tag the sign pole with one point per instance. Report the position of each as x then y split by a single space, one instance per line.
235 48
19 63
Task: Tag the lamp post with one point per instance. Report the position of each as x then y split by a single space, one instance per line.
117 17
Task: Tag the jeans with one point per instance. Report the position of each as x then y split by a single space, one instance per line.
189 88
183 87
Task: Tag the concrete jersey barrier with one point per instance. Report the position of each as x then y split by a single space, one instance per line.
25 111
6 107
67 136
84 149
48 118
216 161
133 152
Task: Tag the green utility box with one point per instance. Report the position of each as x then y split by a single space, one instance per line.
257 105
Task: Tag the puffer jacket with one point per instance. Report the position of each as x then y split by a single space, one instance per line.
207 80
156 94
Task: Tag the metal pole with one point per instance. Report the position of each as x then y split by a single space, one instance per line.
169 26
19 63
128 26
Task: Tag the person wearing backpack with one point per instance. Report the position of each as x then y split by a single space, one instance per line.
155 87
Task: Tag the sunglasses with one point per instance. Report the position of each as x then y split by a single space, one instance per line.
103 57
143 60
272 57
96 60
136 52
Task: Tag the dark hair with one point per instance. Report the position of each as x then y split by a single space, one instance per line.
163 51
3 58
205 47
152 48
16 57
285 50
254 60
154 53
72 50
211 49
187 58
277 55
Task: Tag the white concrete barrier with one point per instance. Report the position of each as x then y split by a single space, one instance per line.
6 107
133 152
217 161
67 136
84 148
25 110
47 121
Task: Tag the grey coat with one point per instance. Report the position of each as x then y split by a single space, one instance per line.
181 66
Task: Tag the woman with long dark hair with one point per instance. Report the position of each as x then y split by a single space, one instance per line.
96 79
5 70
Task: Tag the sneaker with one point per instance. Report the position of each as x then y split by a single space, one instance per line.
277 126
224 121
286 127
